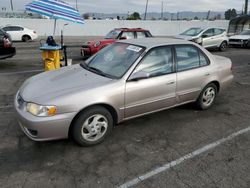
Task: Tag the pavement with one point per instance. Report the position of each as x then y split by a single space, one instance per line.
171 148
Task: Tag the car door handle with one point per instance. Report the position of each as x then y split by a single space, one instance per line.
207 74
170 82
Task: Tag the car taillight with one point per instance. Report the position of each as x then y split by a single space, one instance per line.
6 42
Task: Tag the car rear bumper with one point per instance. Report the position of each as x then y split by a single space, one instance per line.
7 52
43 128
86 51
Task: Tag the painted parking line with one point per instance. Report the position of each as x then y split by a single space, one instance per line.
7 106
21 72
191 155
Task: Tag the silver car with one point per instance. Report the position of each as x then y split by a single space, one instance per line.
242 39
125 80
207 37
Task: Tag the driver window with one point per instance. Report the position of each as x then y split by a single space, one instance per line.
209 33
158 61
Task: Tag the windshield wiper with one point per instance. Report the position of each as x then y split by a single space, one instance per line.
98 71
95 70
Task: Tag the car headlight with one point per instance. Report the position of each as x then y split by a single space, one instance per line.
40 110
97 44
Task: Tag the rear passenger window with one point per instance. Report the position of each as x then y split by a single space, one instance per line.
128 35
189 57
203 60
218 31
140 35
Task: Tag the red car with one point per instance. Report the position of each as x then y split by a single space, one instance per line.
91 47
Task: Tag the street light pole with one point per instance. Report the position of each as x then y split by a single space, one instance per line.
11 5
145 15
246 7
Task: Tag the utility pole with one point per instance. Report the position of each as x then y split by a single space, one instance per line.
162 10
246 7
145 15
76 5
11 5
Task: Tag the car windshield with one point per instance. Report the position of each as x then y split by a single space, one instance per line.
246 32
114 60
112 34
192 31
1 32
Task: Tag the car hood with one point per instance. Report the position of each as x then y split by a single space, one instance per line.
52 84
104 41
243 37
185 37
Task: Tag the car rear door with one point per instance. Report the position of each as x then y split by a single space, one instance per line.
193 70
155 92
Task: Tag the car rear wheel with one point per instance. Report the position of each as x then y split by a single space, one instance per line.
223 46
92 126
26 38
207 97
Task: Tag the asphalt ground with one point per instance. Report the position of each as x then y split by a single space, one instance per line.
180 147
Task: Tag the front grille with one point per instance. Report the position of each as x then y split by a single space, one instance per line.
234 40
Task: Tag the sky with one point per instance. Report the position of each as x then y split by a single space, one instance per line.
125 6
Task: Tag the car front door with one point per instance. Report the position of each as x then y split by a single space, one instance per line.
192 72
157 90
208 38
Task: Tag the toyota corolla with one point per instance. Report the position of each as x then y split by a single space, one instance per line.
125 80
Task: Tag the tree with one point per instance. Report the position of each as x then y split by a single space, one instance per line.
196 18
134 16
230 14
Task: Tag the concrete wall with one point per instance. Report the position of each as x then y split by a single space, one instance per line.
45 27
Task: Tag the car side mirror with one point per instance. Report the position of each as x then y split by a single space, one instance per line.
204 36
123 38
138 76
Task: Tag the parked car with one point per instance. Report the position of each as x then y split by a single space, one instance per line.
242 39
207 37
6 48
125 80
93 46
19 33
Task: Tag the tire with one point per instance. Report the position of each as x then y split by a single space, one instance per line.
92 126
207 97
26 38
223 46
248 44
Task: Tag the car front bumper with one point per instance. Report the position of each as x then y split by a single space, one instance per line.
7 52
241 43
43 128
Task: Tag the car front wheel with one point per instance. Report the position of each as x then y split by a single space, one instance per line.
92 126
223 46
207 97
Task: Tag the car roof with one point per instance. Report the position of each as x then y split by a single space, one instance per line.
130 29
154 42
